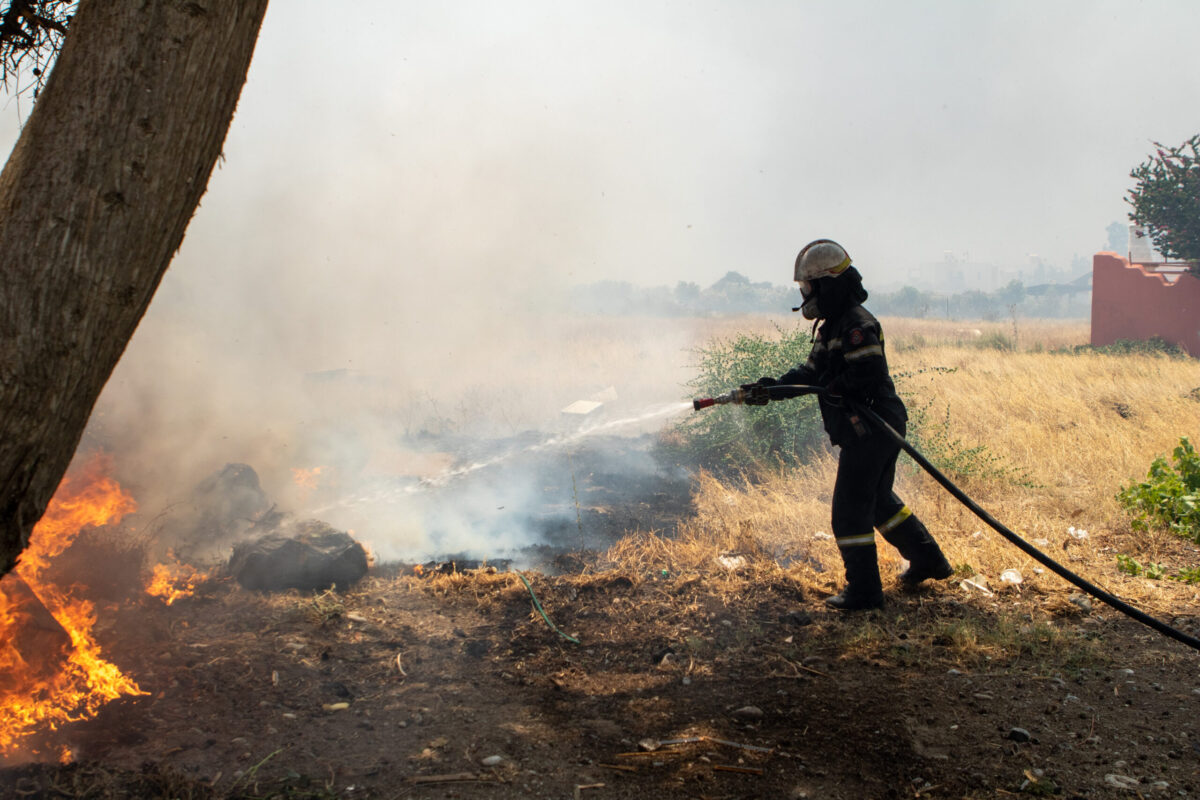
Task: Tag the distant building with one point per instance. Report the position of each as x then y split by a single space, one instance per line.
1143 296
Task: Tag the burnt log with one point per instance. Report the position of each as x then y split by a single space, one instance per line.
313 557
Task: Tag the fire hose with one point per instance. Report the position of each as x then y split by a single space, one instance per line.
759 395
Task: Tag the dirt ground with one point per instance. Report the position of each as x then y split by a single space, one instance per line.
456 687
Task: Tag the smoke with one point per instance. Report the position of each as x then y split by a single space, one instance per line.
422 445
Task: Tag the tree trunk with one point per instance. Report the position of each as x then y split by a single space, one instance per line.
94 202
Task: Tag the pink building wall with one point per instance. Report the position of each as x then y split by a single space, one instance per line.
1132 301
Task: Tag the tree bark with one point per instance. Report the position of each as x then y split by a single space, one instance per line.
94 202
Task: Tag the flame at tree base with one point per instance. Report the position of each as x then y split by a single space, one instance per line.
52 671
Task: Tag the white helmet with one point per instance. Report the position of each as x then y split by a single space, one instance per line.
821 259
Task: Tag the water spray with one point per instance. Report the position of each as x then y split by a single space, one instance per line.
755 394
446 476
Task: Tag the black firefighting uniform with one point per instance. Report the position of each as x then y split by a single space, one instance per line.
848 359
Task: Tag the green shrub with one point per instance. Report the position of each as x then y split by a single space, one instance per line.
1187 575
747 436
1170 495
1131 566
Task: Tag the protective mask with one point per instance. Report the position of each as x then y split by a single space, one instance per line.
808 290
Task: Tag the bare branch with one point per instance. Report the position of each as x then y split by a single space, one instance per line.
31 34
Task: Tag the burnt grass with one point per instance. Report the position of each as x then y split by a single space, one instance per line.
453 685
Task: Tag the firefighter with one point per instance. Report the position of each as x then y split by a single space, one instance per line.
848 361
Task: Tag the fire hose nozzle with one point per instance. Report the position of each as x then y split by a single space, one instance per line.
736 396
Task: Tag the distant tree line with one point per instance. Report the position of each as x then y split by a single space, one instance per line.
736 294
732 294
1060 301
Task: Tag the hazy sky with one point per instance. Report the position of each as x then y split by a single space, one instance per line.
665 141
656 141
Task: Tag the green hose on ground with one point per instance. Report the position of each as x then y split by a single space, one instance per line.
538 606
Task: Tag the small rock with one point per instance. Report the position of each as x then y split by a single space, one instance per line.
1083 601
648 745
1121 781
661 656
1019 735
748 712
800 618
492 761
953 671
1011 576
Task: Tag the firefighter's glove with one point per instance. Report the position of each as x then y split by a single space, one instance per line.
755 394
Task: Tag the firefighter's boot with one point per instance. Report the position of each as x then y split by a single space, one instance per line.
909 535
863 589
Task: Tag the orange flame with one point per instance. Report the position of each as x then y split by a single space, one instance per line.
45 687
174 581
